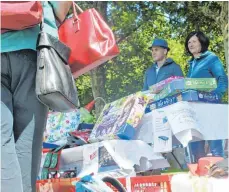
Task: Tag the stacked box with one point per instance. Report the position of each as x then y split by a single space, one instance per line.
192 95
119 119
189 95
159 86
201 84
178 85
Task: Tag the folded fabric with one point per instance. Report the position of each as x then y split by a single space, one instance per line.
78 138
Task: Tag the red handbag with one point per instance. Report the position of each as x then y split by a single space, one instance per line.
91 40
19 15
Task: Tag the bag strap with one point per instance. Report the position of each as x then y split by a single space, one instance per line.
74 6
76 19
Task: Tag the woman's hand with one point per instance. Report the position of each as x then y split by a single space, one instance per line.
61 9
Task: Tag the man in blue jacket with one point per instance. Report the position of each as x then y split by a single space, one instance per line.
162 67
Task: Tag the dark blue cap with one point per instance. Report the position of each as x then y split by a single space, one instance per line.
159 43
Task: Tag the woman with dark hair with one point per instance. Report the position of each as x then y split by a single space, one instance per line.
205 64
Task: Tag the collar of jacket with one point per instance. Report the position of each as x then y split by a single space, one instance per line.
167 62
202 55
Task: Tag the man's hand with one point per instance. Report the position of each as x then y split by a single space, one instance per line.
215 171
220 169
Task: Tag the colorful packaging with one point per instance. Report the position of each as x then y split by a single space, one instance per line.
119 119
106 161
59 125
159 86
201 84
178 85
92 183
189 95
79 137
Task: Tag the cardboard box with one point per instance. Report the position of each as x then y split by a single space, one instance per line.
159 86
189 95
178 85
119 119
201 84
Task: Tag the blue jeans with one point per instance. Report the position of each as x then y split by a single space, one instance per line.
197 149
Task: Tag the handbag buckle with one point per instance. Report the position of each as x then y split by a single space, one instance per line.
76 24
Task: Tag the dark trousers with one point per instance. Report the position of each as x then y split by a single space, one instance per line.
23 119
198 151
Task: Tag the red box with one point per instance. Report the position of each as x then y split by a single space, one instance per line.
156 183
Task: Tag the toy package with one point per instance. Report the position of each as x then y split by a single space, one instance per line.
201 84
189 95
120 118
178 85
159 86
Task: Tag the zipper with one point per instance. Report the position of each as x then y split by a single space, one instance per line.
44 69
157 74
193 66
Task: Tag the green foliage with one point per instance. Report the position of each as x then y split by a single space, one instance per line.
83 84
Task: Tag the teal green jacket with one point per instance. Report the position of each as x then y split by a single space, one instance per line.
208 65
27 39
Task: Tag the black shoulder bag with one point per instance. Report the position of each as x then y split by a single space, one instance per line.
55 86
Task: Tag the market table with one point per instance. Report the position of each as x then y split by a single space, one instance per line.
189 121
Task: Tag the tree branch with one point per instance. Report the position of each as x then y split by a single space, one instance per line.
128 34
136 28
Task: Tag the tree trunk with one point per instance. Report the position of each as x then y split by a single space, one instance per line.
98 75
224 26
98 87
225 41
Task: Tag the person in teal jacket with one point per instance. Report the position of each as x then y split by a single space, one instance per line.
205 64
23 117
162 67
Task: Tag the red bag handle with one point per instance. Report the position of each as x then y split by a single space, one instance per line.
74 5
75 16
